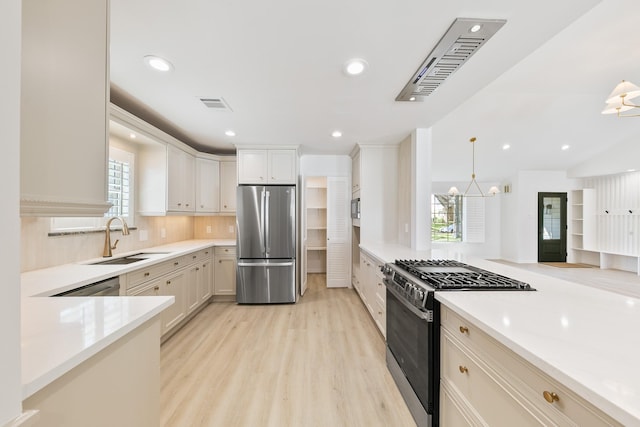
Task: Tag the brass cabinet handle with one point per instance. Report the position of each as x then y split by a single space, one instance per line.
464 330
550 396
193 256
146 274
463 369
168 282
156 288
197 268
176 263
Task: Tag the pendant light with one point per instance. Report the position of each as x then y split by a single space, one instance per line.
453 191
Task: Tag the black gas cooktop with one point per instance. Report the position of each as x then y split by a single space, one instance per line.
455 275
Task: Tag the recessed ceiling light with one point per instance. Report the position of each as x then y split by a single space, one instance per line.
336 134
506 146
631 170
413 98
355 67
132 135
565 147
157 63
229 133
475 28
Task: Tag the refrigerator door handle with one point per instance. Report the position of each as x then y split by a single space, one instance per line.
262 222
265 264
267 241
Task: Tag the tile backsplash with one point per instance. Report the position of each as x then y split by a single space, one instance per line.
39 250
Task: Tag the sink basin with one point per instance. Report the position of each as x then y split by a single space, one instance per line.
127 259
124 260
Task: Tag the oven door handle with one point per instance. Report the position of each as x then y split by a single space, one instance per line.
427 316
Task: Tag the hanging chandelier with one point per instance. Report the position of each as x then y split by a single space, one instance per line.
453 191
618 100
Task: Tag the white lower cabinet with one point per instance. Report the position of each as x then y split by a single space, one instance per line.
224 270
372 291
485 383
188 278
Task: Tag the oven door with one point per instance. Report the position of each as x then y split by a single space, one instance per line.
413 339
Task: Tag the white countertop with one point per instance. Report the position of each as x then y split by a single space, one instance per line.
585 338
61 278
60 333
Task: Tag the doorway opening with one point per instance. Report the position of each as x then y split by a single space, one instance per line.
552 227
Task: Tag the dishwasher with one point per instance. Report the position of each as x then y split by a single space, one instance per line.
104 288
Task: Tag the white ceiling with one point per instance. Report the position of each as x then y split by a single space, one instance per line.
540 82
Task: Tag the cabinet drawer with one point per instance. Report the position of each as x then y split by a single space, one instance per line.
198 256
135 278
518 374
224 250
496 405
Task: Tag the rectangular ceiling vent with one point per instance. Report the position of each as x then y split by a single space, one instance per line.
218 104
463 38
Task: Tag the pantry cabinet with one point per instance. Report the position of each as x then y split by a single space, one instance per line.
64 109
267 166
485 383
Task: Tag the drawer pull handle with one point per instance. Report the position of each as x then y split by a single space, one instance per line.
176 263
464 330
463 369
146 274
193 256
168 282
197 268
550 396
156 288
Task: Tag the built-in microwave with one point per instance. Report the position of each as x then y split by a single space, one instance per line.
355 208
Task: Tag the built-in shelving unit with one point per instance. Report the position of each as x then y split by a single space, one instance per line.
583 227
316 224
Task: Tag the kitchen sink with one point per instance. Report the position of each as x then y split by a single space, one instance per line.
141 256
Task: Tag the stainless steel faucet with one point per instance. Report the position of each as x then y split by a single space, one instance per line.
107 237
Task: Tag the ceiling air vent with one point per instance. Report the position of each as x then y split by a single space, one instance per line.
463 38
218 104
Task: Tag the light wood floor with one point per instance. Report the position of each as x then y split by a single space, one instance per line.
319 362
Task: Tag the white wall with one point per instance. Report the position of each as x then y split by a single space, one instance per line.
10 385
618 159
421 152
520 212
313 165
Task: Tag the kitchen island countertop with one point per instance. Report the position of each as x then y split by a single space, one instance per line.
58 334
583 337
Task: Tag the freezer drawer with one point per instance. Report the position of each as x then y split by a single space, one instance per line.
266 281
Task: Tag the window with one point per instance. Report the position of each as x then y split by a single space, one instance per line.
457 218
120 192
446 218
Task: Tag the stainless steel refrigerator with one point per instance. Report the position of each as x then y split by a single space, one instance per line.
266 244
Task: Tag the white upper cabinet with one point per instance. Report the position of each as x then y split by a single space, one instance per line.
267 166
228 184
282 166
181 180
64 108
207 185
173 178
252 167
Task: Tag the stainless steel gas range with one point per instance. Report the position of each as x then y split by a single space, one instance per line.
413 324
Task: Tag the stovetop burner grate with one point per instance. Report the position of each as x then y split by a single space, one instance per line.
455 275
